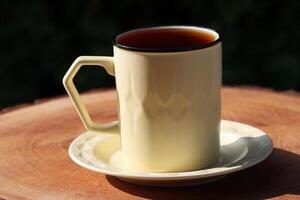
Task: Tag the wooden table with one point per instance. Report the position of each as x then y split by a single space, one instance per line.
34 140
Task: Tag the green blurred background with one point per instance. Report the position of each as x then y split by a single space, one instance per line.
40 39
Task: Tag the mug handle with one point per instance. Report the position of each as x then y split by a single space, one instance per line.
103 61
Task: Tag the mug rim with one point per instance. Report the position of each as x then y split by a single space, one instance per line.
167 50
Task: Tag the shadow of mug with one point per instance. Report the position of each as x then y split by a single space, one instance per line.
278 175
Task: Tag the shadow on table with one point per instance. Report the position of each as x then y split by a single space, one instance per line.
277 175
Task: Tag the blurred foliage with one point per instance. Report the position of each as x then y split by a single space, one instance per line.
40 39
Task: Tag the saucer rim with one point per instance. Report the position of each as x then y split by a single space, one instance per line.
168 176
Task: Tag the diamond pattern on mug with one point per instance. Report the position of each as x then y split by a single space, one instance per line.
152 105
177 105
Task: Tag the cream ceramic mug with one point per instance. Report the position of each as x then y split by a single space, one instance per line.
169 101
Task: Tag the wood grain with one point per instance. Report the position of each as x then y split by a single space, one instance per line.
34 140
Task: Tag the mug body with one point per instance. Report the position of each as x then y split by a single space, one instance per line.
169 107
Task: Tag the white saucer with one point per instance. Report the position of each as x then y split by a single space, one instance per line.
242 146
